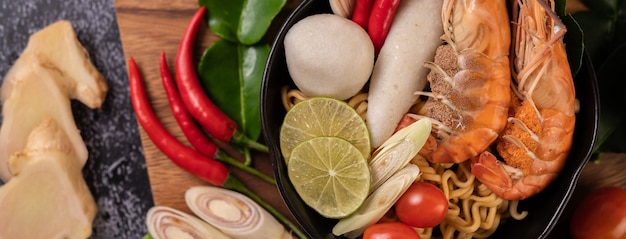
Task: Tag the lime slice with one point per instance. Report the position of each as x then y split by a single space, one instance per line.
330 175
323 116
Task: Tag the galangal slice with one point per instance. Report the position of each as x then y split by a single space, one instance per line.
53 69
47 197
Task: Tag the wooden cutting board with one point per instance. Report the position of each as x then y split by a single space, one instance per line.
147 28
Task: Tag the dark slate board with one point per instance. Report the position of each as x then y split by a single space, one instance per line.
116 170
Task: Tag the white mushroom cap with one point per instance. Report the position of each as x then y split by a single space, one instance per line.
328 55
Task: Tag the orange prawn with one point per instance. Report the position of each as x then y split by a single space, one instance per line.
539 133
469 79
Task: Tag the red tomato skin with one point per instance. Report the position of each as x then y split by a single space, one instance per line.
423 205
390 230
601 214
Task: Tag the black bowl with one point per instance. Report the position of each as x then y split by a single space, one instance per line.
544 208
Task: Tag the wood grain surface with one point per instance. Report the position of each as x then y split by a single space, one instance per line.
149 27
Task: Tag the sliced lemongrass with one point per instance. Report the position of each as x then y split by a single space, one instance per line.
169 223
377 203
233 213
397 151
342 8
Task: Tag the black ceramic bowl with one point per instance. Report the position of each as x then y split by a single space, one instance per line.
544 209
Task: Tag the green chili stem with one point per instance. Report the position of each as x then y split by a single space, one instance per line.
223 157
247 155
242 139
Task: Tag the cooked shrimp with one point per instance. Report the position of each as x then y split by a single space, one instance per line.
538 136
469 79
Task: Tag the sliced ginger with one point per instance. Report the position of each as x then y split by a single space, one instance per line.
53 69
41 150
36 96
58 49
47 197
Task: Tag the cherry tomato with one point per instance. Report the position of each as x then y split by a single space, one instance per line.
423 205
601 214
390 230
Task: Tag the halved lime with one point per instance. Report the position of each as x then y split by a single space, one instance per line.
330 175
323 116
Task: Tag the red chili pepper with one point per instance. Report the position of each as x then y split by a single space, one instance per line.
201 108
361 12
193 132
197 138
218 124
380 21
186 158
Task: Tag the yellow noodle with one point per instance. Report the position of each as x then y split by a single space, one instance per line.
431 177
457 189
474 211
453 211
487 232
290 97
514 213
359 103
424 233
428 173
488 213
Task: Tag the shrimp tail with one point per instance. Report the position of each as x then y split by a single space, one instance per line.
491 172
499 177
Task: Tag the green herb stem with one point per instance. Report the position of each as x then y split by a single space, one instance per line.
223 157
235 184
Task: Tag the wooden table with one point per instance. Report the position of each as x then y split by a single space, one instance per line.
149 27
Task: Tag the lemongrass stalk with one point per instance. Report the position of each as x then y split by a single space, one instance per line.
233 213
169 223
397 151
377 203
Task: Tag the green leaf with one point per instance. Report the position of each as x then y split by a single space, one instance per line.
231 75
575 45
560 7
612 126
243 21
597 31
602 7
604 26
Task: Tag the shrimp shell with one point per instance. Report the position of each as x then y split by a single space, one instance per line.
539 133
469 79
